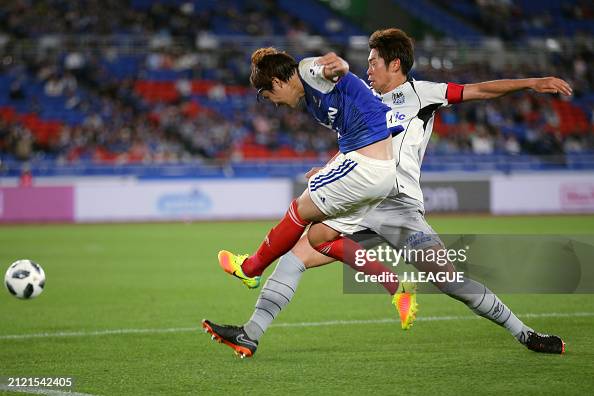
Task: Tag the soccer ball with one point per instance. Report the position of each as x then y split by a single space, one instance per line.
24 279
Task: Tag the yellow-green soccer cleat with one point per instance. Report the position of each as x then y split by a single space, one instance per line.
405 301
231 264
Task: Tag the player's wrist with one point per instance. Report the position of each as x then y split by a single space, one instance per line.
532 83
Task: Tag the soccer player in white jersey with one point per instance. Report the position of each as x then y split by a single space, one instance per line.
399 219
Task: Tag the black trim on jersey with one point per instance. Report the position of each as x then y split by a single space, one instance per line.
406 130
427 112
402 142
415 91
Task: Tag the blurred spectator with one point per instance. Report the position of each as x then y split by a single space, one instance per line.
54 86
26 178
512 146
482 143
106 101
17 90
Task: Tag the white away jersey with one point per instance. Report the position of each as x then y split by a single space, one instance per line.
414 104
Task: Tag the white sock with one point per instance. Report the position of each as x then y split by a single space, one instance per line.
484 303
276 293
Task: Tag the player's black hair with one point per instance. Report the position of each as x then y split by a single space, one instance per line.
393 44
268 63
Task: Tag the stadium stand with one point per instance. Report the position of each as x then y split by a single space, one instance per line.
525 19
147 82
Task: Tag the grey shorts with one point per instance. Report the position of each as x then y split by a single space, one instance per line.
400 221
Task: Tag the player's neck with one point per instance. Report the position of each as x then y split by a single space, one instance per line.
395 82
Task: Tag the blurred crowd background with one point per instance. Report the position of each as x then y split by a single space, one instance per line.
153 82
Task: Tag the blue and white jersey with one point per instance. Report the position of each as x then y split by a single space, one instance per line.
348 107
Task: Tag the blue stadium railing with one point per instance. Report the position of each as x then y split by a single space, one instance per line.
433 163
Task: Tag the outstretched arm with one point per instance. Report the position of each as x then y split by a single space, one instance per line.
497 88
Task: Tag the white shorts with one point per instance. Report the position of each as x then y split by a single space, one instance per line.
400 220
349 187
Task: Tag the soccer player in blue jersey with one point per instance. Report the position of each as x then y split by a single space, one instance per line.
355 181
359 177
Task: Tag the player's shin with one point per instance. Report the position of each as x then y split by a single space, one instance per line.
280 239
275 295
485 303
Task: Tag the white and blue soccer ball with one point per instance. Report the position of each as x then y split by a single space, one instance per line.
24 279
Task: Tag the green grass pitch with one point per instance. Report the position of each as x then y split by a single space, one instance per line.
122 302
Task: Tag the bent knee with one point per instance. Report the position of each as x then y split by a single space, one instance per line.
309 256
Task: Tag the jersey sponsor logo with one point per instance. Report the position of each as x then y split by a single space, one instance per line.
317 101
332 112
416 240
398 98
393 117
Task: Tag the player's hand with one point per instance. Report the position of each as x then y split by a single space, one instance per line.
312 172
552 85
334 66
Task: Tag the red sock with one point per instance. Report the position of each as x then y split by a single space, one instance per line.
279 241
343 249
